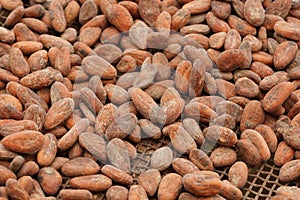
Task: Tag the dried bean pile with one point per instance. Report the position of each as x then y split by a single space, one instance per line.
84 81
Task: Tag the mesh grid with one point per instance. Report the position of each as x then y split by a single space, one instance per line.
145 149
262 181
3 16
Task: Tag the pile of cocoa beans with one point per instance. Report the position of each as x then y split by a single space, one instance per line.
82 82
